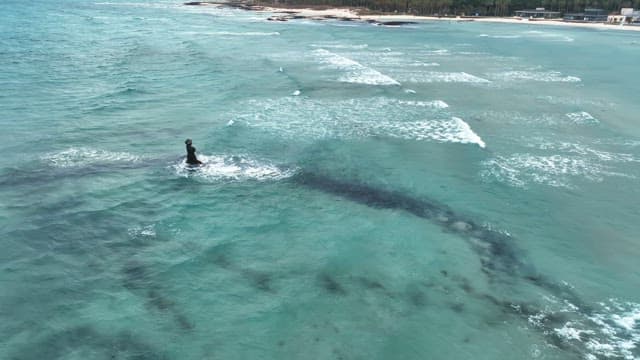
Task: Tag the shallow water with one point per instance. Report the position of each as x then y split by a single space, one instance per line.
441 190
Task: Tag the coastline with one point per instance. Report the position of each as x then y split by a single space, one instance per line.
353 14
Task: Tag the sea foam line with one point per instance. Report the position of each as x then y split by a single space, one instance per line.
445 77
541 76
301 118
519 170
74 157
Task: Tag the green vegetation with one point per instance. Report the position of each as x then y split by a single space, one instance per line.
464 7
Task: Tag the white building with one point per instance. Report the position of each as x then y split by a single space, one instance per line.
630 15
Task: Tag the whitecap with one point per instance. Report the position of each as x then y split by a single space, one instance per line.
221 168
444 77
75 157
453 130
539 76
521 170
500 36
582 117
357 118
439 52
341 46
354 71
609 330
421 64
581 149
576 101
568 332
435 104
142 231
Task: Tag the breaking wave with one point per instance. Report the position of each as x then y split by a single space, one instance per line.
541 76
354 71
444 77
452 130
290 118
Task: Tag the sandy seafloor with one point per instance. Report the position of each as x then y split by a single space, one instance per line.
442 190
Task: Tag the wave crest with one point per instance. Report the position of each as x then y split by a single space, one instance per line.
354 71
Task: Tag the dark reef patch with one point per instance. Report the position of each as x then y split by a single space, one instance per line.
122 345
417 297
498 256
137 278
258 279
370 284
331 285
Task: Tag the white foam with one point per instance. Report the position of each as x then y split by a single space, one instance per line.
629 321
541 76
296 93
500 36
521 170
341 46
354 71
75 157
571 333
466 133
439 52
533 119
580 149
421 64
142 231
611 330
220 168
582 117
576 101
435 104
444 77
453 130
354 118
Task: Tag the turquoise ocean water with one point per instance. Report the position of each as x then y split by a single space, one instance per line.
442 190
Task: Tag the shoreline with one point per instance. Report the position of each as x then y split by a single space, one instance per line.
354 14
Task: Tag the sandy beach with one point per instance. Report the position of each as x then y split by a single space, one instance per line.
352 14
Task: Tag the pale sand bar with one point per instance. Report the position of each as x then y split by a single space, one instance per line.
353 14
